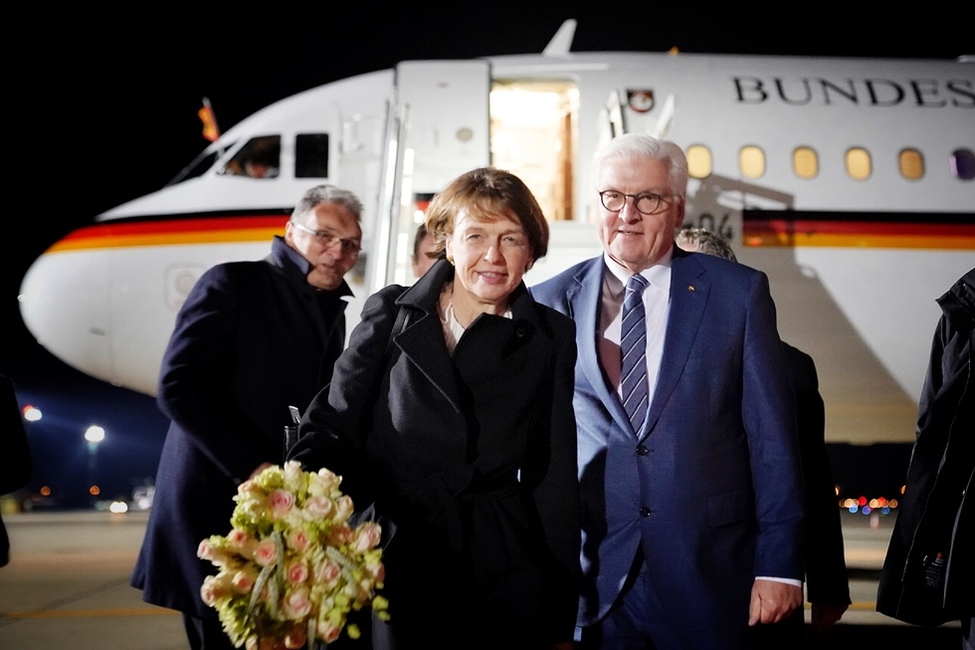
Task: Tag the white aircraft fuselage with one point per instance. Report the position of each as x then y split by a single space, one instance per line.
848 181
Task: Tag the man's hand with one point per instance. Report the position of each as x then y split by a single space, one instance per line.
772 601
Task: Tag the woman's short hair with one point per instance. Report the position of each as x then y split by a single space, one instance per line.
488 193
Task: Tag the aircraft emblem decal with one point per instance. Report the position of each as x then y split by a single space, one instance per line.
640 101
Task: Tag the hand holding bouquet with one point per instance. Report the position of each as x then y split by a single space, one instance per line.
292 568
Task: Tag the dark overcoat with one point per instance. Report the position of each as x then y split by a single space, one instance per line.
252 339
826 577
825 561
928 577
471 457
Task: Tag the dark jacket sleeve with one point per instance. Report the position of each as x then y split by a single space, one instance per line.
196 380
557 495
333 430
826 577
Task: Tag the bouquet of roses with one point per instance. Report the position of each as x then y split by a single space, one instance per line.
292 568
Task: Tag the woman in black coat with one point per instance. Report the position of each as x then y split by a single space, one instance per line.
451 412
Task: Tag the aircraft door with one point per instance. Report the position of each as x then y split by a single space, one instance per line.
440 130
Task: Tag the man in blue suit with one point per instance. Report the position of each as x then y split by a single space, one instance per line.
691 500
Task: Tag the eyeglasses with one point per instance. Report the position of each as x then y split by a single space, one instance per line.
327 239
646 203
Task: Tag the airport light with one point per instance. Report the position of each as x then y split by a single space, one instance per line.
31 413
95 435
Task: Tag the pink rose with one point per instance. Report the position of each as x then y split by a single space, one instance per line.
343 507
298 540
327 631
376 571
205 550
297 572
329 478
339 535
293 472
327 573
319 507
280 502
297 604
266 552
248 487
366 536
238 537
212 590
243 581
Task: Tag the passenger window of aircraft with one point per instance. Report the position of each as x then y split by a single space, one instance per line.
699 161
805 162
751 161
911 164
259 158
963 164
311 155
858 164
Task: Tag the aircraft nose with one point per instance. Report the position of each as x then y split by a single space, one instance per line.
64 302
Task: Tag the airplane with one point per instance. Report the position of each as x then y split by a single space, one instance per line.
850 182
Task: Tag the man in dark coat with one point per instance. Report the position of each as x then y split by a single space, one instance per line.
928 577
252 339
827 582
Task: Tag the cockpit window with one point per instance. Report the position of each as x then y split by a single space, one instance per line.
259 158
199 165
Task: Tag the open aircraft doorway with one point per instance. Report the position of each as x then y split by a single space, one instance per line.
534 134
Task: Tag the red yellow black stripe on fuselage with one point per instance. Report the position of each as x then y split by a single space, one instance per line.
858 230
760 228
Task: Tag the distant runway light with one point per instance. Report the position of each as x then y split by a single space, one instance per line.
95 433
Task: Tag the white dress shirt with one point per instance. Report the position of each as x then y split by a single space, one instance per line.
656 301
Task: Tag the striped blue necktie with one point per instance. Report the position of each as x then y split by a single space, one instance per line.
633 348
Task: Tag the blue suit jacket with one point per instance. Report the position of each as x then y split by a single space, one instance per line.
711 487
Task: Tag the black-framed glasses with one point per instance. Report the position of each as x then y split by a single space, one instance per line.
646 203
327 239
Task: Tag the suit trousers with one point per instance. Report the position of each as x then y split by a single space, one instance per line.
628 627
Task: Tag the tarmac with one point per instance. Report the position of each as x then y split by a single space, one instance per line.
67 585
